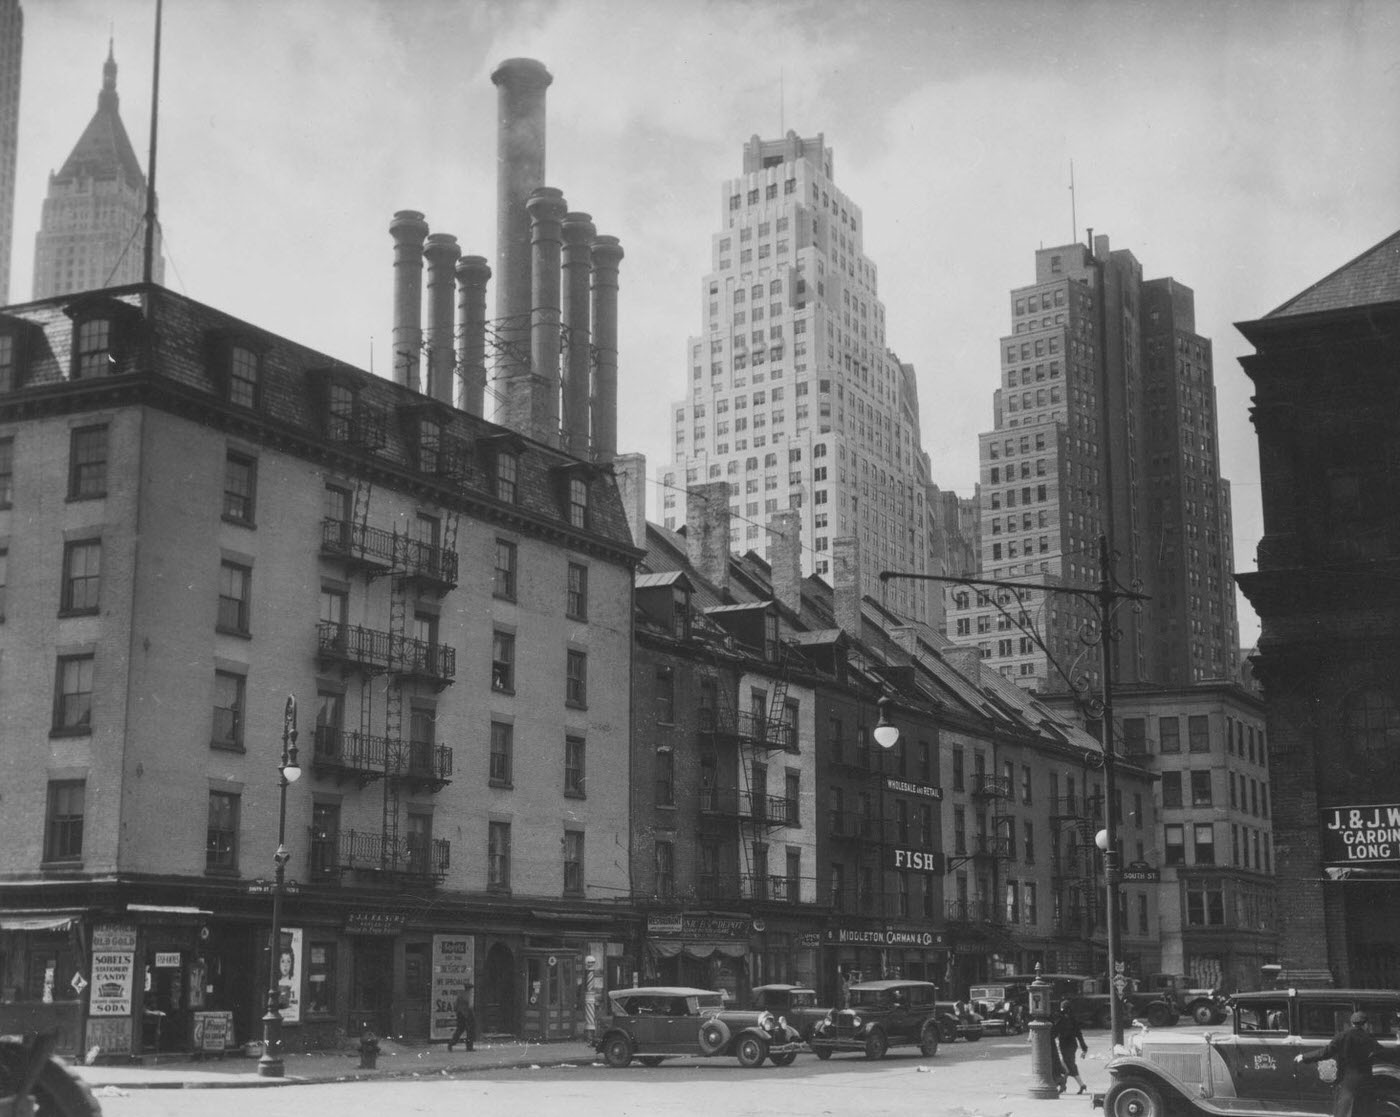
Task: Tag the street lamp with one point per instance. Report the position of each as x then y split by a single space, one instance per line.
288 772
1118 978
886 733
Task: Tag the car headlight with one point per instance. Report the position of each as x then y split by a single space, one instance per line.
855 1021
826 1020
782 1023
765 1021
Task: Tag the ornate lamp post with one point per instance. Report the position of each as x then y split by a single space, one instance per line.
288 772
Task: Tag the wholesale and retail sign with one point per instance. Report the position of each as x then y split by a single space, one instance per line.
113 970
1362 835
454 959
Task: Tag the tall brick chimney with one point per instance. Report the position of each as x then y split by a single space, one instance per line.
472 275
575 311
441 253
607 255
630 470
707 532
845 584
409 231
520 159
966 661
785 557
547 208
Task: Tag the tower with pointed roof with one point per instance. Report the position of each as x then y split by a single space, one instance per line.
11 50
90 235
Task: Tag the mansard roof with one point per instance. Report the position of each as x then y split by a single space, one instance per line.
1370 279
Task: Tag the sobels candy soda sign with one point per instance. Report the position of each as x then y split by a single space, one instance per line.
1366 834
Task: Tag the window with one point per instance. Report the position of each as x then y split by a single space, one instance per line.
1135 736
505 569
229 704
576 678
665 778
235 581
1171 789
1205 907
240 488
7 472
1175 843
573 862
1029 903
665 855
665 695
1200 788
507 475
503 662
498 774
576 600
87 463
320 979
958 776
221 849
243 377
4 578
8 362
63 828
1029 842
498 856
73 694
82 577
574 775
578 502
1205 843
1169 734
92 352
1198 733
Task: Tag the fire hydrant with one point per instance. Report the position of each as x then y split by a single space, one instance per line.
369 1051
1043 1084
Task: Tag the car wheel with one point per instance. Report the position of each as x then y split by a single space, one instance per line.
876 1044
783 1060
714 1036
948 1033
617 1052
822 1053
973 1037
928 1040
649 1060
1133 1099
1204 1014
1158 1015
750 1051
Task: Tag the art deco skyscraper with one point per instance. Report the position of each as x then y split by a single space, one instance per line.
91 234
794 399
11 53
1104 423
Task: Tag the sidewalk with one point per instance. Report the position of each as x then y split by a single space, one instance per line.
396 1060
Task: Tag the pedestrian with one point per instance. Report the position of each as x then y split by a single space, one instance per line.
1355 1049
466 1019
1065 1036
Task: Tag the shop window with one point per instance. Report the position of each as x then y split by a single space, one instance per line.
320 979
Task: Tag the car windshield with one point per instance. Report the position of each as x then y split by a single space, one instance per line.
803 998
709 1000
869 998
987 993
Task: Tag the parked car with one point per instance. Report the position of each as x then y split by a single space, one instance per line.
653 1023
1249 1071
1158 1007
880 1015
795 1004
1204 1005
1001 1007
956 1020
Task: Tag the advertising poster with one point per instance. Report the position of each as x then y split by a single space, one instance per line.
454 960
113 973
289 970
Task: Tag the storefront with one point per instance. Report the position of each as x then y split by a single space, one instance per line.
872 952
42 975
699 951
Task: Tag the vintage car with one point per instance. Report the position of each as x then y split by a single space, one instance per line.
1001 1007
652 1024
1204 1005
880 1015
1250 1070
956 1020
794 1004
1158 1007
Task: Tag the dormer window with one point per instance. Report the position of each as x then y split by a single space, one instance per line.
429 445
578 502
507 475
680 611
92 351
9 362
244 376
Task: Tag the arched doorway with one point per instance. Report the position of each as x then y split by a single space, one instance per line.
495 1001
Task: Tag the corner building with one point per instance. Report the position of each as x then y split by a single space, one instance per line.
794 400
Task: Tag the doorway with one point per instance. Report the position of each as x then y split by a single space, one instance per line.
552 995
371 986
495 1002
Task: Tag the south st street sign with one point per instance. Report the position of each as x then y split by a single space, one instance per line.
1365 833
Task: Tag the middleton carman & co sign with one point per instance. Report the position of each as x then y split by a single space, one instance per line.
1366 834
882 936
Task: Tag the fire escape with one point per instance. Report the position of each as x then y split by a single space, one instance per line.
982 917
1074 819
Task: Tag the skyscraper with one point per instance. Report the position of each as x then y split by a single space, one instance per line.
90 235
794 399
1104 424
11 54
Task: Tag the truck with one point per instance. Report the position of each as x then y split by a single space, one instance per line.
1205 1005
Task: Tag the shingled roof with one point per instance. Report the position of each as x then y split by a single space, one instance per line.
104 151
1370 279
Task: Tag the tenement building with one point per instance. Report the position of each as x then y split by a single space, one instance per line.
1327 413
793 398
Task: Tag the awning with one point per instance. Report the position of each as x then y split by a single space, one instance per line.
664 949
51 922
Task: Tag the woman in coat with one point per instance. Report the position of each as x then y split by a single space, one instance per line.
1065 1036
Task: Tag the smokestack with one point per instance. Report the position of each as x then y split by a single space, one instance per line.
607 254
408 230
441 253
630 470
472 274
520 147
785 557
547 209
845 584
707 532
575 307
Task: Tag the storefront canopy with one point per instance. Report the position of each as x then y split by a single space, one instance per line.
49 921
665 949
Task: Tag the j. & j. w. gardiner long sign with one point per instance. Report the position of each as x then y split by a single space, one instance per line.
1369 834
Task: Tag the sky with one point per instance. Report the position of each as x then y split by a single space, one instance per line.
1245 148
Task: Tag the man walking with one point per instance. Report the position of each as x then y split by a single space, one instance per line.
1355 1050
466 1019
